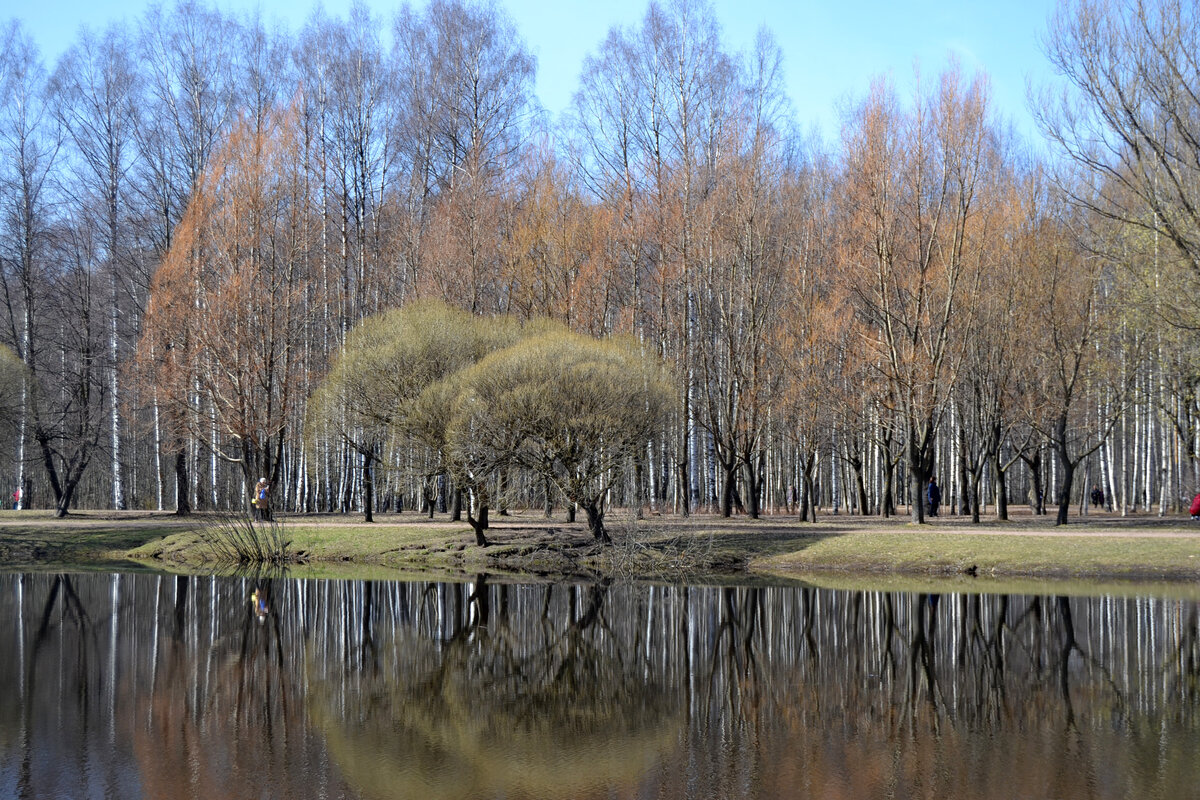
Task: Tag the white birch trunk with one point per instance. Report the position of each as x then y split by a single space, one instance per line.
22 431
1124 482
952 480
693 479
1053 487
1165 439
835 496
212 457
652 476
118 485
1148 448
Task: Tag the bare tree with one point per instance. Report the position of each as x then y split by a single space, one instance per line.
1068 338
29 149
912 181
95 90
227 307
187 53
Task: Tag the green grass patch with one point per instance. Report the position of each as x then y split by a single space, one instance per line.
932 553
361 543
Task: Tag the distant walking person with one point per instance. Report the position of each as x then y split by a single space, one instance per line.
934 496
1097 497
1195 509
262 500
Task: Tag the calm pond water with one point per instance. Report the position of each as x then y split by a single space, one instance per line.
127 686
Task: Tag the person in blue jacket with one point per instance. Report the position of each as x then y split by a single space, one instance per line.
934 496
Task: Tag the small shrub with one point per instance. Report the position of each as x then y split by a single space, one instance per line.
644 550
238 540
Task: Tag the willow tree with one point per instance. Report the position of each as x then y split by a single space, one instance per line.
574 409
370 395
356 401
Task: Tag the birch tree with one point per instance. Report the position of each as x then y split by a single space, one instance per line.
95 88
29 150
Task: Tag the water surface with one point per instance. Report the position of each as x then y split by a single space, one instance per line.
125 686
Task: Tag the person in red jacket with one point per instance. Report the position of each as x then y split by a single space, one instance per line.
1195 509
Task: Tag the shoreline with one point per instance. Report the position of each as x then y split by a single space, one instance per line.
839 549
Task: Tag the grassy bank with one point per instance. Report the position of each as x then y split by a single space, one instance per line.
35 540
858 550
1075 555
521 546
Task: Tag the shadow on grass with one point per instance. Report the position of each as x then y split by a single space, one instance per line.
50 546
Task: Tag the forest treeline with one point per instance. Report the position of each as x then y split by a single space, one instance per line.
199 211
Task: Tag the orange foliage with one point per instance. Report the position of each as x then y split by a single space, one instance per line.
226 313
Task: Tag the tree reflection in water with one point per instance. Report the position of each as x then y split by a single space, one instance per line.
152 686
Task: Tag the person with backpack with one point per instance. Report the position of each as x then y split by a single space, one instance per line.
262 500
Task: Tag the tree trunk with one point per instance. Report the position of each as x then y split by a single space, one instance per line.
118 481
368 485
681 489
1064 497
478 520
183 506
808 506
428 496
595 520
916 488
1068 471
639 478
860 486
887 501
1034 464
754 482
728 480
976 474
1001 478
968 481
920 468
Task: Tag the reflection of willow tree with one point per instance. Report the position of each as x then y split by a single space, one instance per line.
544 701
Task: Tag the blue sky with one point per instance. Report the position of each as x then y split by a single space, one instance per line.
832 48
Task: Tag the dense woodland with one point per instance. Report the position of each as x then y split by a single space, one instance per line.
199 212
